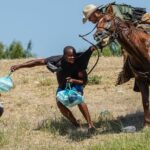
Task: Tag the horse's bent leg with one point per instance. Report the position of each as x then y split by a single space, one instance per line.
144 88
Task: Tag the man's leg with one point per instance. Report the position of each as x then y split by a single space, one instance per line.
84 110
68 114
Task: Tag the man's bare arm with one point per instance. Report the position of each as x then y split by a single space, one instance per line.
29 64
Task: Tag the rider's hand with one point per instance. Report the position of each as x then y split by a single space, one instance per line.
93 48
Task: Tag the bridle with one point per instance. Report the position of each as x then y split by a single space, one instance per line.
99 37
104 33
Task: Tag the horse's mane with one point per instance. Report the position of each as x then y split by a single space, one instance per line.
129 24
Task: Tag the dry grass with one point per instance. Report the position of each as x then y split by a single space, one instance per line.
31 105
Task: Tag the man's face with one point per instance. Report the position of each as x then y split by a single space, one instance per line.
70 56
94 18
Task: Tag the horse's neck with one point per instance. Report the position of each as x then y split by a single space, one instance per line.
123 31
126 37
121 25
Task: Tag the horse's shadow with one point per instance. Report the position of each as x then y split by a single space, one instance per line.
135 119
112 125
63 127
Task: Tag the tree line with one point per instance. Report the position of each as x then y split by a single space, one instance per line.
16 50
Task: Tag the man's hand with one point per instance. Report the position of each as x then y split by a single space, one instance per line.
70 80
14 68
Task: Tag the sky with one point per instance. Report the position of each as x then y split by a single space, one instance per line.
49 24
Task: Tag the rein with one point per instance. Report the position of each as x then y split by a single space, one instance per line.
97 48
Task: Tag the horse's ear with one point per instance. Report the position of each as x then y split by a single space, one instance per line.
109 9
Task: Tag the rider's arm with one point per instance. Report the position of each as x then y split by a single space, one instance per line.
83 58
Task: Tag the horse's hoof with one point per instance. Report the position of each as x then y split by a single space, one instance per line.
146 126
146 123
147 120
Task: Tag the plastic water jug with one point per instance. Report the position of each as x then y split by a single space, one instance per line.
6 83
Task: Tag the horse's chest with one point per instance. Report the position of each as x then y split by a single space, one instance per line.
125 37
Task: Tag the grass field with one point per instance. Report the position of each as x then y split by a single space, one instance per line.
32 121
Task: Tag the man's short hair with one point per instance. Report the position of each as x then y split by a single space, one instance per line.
68 48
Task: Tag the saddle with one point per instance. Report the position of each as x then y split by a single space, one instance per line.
128 72
145 23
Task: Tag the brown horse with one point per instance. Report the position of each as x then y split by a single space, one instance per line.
137 44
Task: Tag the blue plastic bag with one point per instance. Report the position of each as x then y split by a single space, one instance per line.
6 83
69 97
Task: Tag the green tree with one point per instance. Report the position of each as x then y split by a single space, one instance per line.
28 50
16 50
2 51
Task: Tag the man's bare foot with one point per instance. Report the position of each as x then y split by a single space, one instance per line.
147 122
77 124
91 130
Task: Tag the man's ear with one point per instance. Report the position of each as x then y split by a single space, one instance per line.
109 9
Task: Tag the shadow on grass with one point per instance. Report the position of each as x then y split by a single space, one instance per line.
105 125
63 127
108 124
135 119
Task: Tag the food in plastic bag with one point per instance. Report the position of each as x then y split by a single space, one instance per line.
69 97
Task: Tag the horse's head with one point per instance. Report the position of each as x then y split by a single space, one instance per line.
105 29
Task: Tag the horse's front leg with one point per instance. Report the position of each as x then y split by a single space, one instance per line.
144 88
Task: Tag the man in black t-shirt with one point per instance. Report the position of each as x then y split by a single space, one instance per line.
65 69
70 67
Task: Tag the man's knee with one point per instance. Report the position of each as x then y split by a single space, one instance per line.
60 105
82 104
